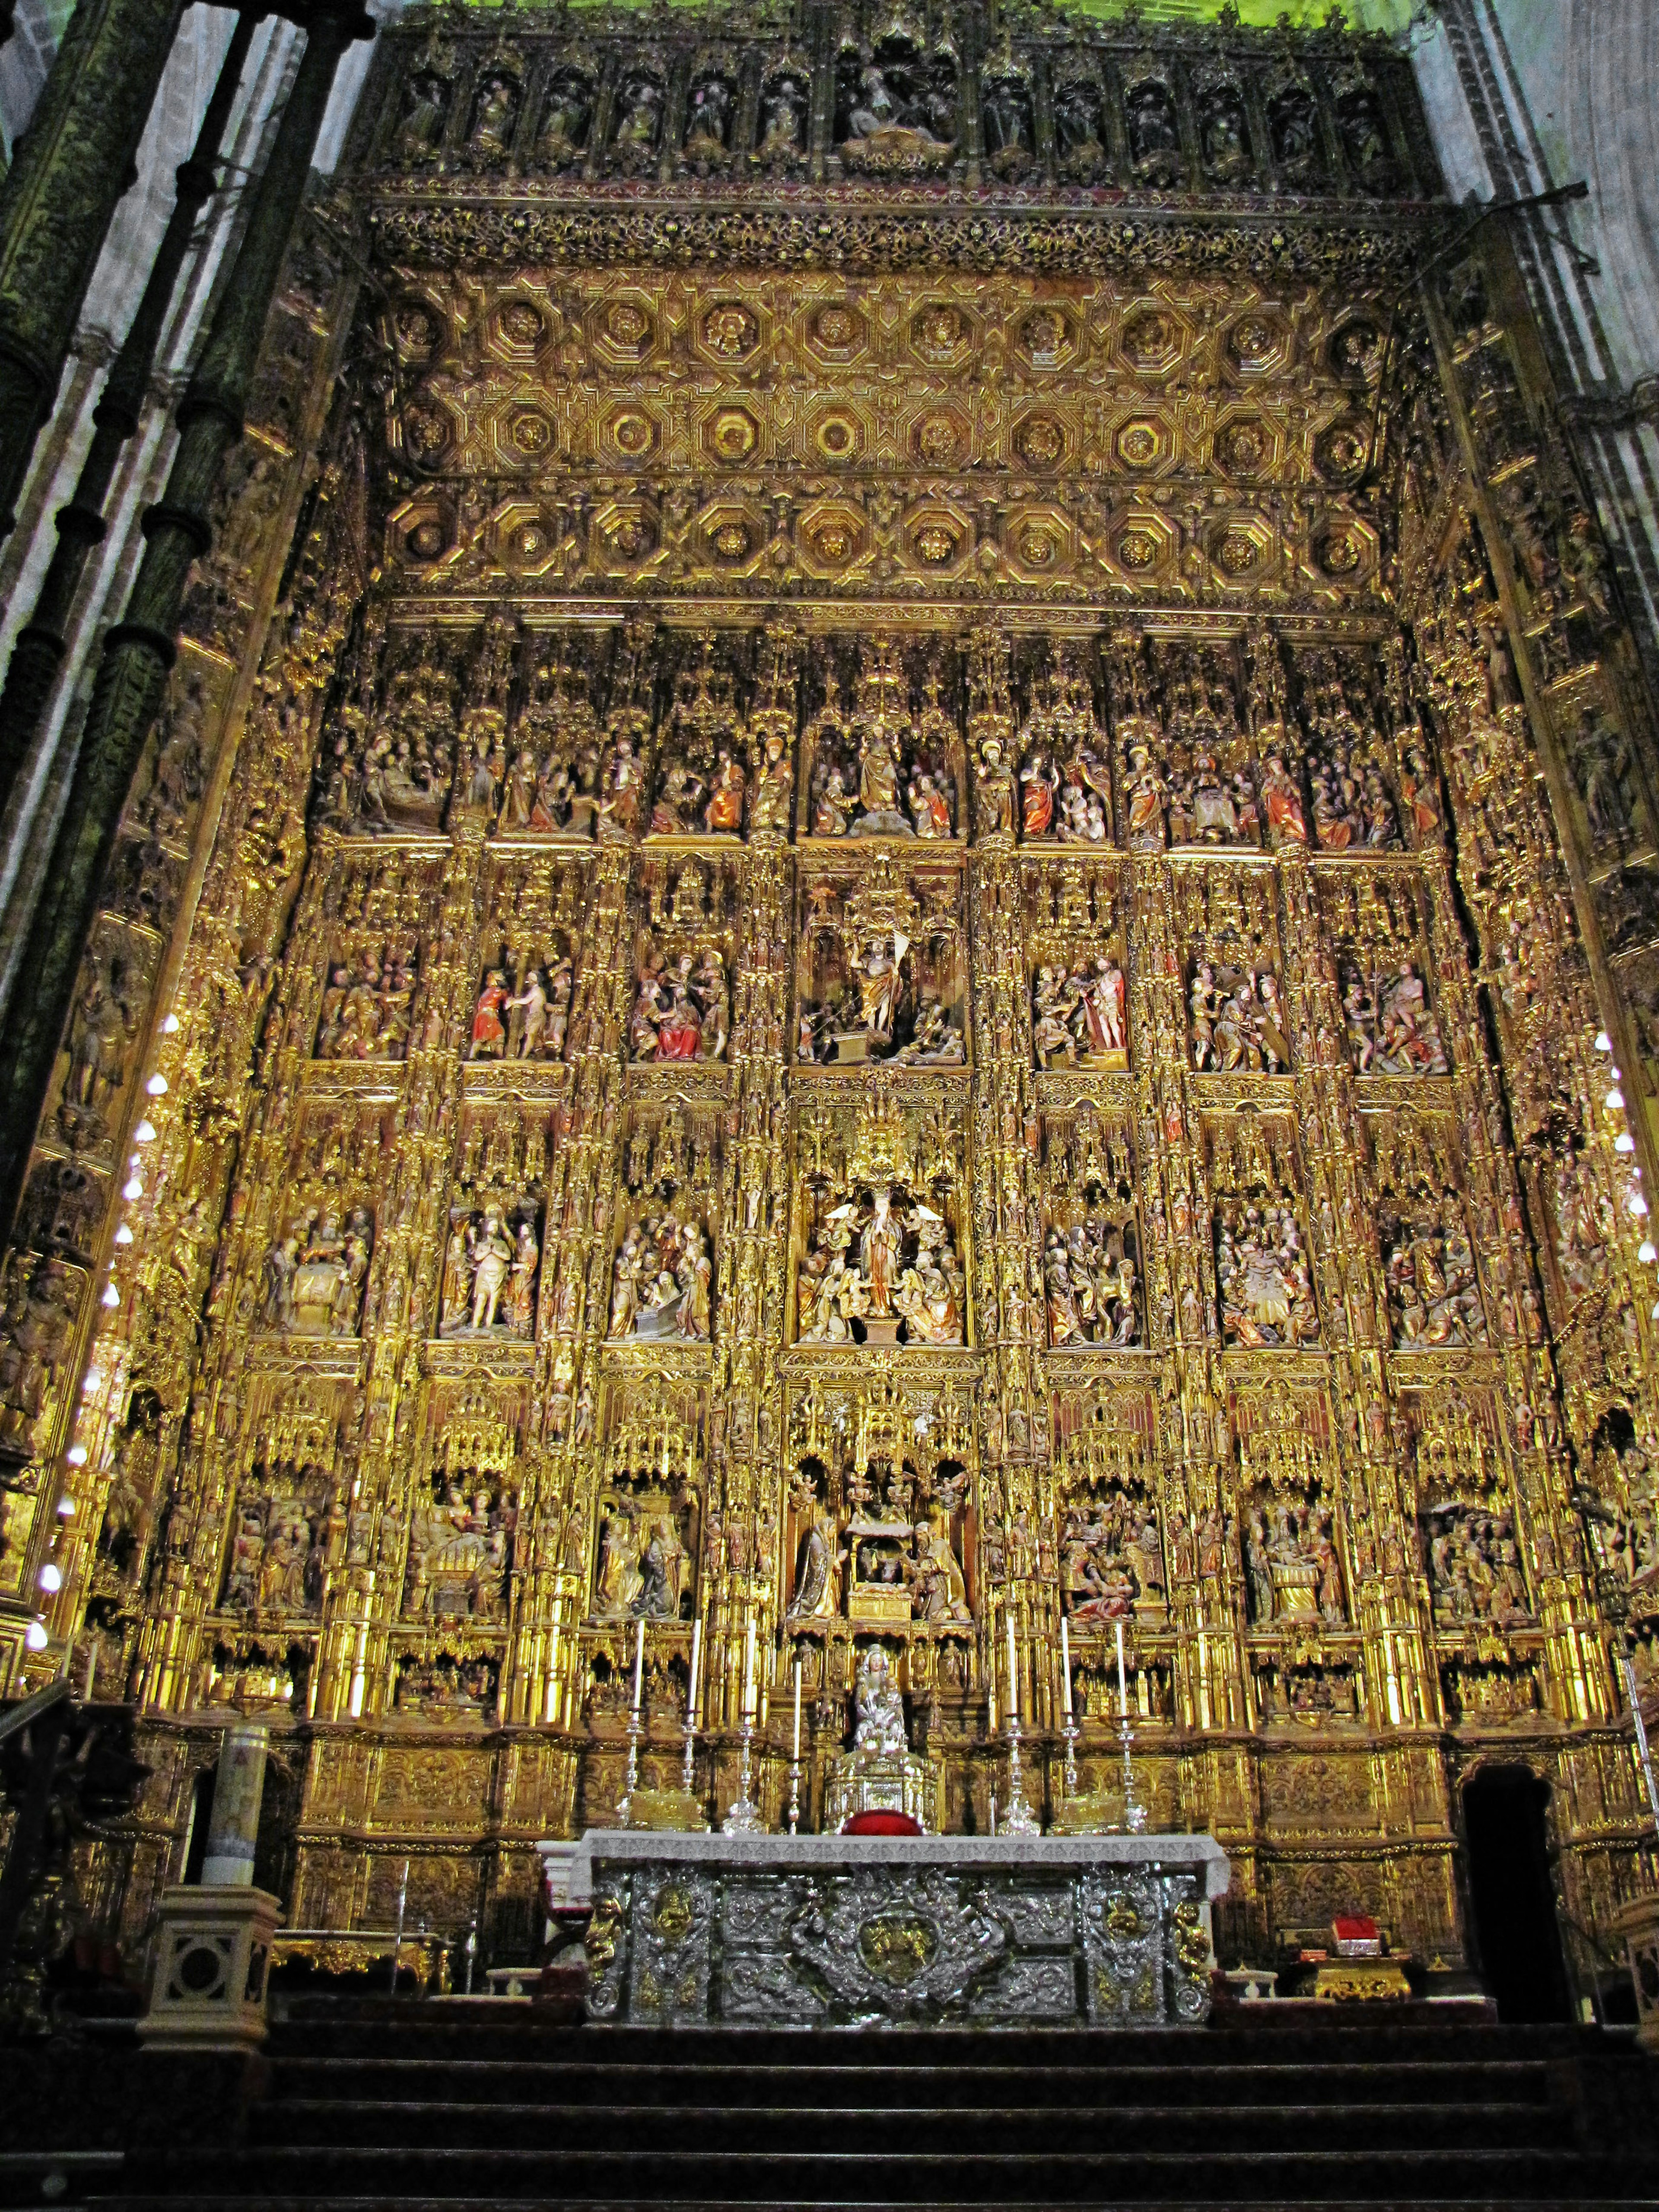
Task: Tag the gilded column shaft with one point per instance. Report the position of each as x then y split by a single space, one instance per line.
39 652
139 651
71 165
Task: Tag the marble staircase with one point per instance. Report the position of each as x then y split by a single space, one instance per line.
362 2104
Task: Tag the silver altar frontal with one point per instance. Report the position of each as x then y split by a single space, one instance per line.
894 1931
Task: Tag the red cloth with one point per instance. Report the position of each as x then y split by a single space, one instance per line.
881 1824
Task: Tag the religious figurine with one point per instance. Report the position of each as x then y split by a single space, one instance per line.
1112 1558
1390 1029
1080 1019
489 1039
314 1273
662 1277
1091 1285
1266 1290
785 105
724 812
876 1265
682 1013
1474 1567
1237 1019
1428 1262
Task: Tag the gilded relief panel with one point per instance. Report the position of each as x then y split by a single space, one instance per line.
935 968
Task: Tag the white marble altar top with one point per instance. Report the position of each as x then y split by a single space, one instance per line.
967 1854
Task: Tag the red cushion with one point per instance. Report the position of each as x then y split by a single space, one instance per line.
881 1824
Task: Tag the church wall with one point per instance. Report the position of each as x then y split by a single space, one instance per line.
891 937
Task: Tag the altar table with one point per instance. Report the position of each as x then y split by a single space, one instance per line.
893 1931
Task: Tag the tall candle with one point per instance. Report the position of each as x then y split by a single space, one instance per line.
795 1755
696 1654
749 1671
1013 1672
1122 1691
639 1662
1065 1664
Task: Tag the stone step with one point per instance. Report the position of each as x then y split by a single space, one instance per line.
567 2175
861 2087
919 2130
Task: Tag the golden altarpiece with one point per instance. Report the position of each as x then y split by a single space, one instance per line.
903 875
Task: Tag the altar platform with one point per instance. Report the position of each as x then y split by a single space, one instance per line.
893 1931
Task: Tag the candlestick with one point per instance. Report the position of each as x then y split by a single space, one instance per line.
639 1662
696 1654
795 1761
1122 1692
743 1816
1135 1813
1021 1820
1065 1664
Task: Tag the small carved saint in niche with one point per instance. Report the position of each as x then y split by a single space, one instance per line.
1604 770
1153 133
524 1017
682 1011
1291 1567
1010 129
495 111
1473 1562
1390 1029
367 1007
1364 133
1237 1020
662 1277
1262 1277
460 1547
561 141
639 121
420 127
491 1266
1224 135
1080 129
1294 128
314 1273
1091 1282
709 114
1428 1262
1079 1015
102 1030
1112 1558
784 107
278 1554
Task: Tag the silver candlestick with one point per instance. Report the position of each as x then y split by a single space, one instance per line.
743 1817
1020 1819
1070 1732
1134 1813
688 1768
794 1796
636 1730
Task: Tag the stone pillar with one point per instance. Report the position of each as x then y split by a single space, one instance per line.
71 165
139 651
234 1825
39 652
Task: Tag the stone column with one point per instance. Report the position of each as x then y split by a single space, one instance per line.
139 651
39 652
233 1825
71 165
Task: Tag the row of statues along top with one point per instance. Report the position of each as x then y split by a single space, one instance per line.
1249 117
1154 742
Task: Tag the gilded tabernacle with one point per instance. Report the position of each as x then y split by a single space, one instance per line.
897 891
